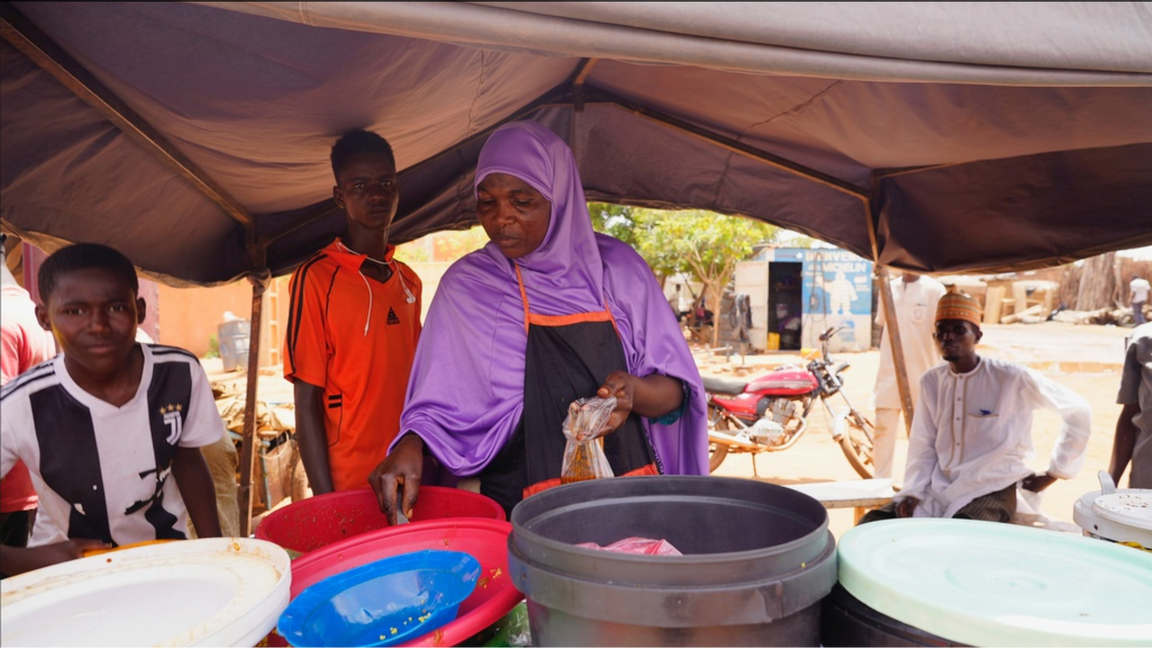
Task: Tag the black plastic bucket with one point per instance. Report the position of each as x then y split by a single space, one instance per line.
758 559
849 622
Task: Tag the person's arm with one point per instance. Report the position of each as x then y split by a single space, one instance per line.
1131 379
1124 441
1071 446
17 560
197 490
306 363
922 458
399 472
312 437
907 506
652 396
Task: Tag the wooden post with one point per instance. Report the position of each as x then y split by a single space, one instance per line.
248 445
891 321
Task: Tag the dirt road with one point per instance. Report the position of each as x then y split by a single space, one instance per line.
1086 359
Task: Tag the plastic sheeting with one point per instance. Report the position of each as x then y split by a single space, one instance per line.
966 136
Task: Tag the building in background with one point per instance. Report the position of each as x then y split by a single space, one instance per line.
796 294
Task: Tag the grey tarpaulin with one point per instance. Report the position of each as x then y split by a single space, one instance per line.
927 136
964 136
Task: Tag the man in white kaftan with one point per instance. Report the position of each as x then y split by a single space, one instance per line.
972 434
972 431
915 298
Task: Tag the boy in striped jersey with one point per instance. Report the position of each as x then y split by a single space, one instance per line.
110 429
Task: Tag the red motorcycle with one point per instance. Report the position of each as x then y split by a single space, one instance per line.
770 413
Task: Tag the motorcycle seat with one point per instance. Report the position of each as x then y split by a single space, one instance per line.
722 386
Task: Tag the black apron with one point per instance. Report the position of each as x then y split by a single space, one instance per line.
567 358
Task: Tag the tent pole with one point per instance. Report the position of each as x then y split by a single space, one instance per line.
893 324
872 216
248 446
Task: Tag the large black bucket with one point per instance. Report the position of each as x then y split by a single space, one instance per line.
848 622
758 559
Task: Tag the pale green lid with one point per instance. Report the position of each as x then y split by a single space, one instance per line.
990 584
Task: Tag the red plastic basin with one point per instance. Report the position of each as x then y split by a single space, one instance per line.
485 540
319 521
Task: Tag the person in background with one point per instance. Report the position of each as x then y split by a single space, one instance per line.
972 431
915 297
547 313
25 345
683 301
110 429
674 301
1132 444
1138 298
353 322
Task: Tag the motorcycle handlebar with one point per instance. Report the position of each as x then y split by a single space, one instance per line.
831 332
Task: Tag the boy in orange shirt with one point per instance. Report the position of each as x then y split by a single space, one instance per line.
353 322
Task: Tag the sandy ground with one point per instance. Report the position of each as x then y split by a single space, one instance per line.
1087 359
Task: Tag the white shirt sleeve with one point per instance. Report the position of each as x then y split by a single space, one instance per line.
7 446
203 426
1076 414
922 458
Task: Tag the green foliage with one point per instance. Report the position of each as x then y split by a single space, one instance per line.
213 347
801 241
614 220
411 253
450 248
700 243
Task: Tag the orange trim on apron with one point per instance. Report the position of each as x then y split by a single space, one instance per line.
540 487
561 320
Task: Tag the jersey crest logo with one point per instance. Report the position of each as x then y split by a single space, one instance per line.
392 318
174 421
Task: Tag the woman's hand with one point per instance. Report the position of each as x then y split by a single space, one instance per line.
622 385
399 472
652 396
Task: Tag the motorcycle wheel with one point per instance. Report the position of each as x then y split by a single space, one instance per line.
857 444
716 451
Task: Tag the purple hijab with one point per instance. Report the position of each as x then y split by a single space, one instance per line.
466 393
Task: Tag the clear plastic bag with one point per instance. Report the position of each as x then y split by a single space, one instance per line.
584 453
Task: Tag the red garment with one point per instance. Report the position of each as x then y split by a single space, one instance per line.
25 346
356 338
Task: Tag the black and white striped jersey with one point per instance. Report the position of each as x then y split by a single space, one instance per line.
102 471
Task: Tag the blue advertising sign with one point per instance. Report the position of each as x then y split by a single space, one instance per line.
837 292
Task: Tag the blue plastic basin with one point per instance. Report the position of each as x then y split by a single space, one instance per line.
382 603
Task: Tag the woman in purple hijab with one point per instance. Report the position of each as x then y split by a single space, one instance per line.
548 312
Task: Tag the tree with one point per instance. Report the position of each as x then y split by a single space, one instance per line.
616 221
702 243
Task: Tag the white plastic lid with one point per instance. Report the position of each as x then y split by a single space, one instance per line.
990 584
213 591
1132 507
